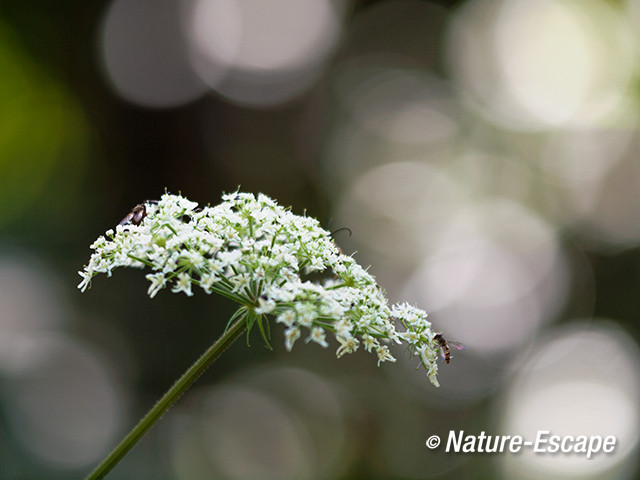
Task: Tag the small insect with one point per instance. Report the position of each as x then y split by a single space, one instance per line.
135 216
445 347
333 234
186 218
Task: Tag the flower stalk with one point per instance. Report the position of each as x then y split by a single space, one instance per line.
169 398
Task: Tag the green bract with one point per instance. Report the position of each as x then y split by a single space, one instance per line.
260 255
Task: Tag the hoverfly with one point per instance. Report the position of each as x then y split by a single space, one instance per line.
135 216
445 346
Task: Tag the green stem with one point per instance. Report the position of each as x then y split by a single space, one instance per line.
169 398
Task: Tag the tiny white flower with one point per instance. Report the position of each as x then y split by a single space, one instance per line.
343 328
157 283
207 280
241 282
432 374
317 335
429 357
369 342
347 345
384 355
291 334
410 336
287 317
86 280
306 314
265 306
183 284
170 265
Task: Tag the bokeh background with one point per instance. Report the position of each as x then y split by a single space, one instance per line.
484 153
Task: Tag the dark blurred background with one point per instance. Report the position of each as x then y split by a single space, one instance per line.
483 153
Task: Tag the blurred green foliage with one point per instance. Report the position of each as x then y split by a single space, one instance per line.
44 137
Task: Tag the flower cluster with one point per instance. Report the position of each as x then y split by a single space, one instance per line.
274 264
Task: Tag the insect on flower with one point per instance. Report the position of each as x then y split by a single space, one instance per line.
135 216
445 346
333 235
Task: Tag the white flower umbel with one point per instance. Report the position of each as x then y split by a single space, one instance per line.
268 260
274 264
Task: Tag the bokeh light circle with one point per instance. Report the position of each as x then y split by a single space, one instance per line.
270 422
536 65
145 55
580 380
64 405
260 53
